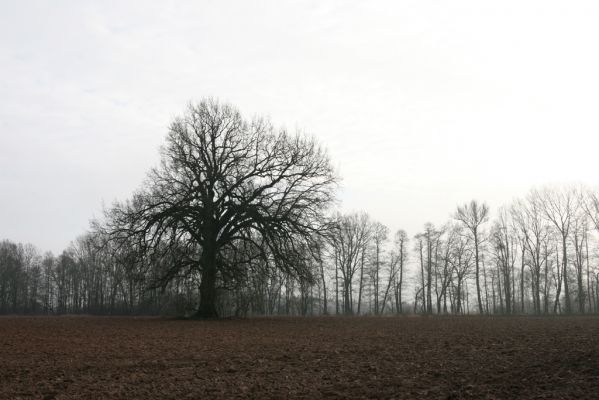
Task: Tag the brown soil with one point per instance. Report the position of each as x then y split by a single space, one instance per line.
412 357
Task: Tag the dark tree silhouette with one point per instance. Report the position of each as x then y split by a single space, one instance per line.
559 207
350 236
473 215
226 184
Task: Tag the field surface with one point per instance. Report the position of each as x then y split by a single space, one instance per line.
411 357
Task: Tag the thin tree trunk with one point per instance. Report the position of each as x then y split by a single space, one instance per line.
522 282
361 282
336 286
325 309
476 258
486 286
546 288
558 283
565 275
588 273
422 278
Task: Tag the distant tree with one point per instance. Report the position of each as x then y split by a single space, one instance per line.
379 236
460 257
504 242
349 238
10 270
318 252
224 183
444 273
33 274
427 245
419 246
559 206
589 201
580 237
396 262
473 215
401 250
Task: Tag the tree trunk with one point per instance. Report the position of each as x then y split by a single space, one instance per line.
486 286
546 287
422 278
361 283
579 263
565 275
459 293
507 299
493 293
480 302
522 265
207 307
538 280
558 283
429 261
336 286
506 286
586 240
325 309
347 304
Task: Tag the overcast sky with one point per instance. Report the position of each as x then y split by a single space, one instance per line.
422 104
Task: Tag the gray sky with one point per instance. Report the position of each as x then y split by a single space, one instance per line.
422 104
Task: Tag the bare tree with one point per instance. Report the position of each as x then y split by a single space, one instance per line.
473 215
534 233
445 274
379 236
589 200
590 204
224 181
559 208
392 274
419 246
580 233
350 237
460 258
319 256
401 249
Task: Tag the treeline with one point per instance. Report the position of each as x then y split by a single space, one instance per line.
237 219
536 256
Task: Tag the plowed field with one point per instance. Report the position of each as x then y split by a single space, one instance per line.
366 357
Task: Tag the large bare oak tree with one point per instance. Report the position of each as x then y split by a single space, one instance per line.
228 187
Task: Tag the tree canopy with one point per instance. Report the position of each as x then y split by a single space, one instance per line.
229 190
